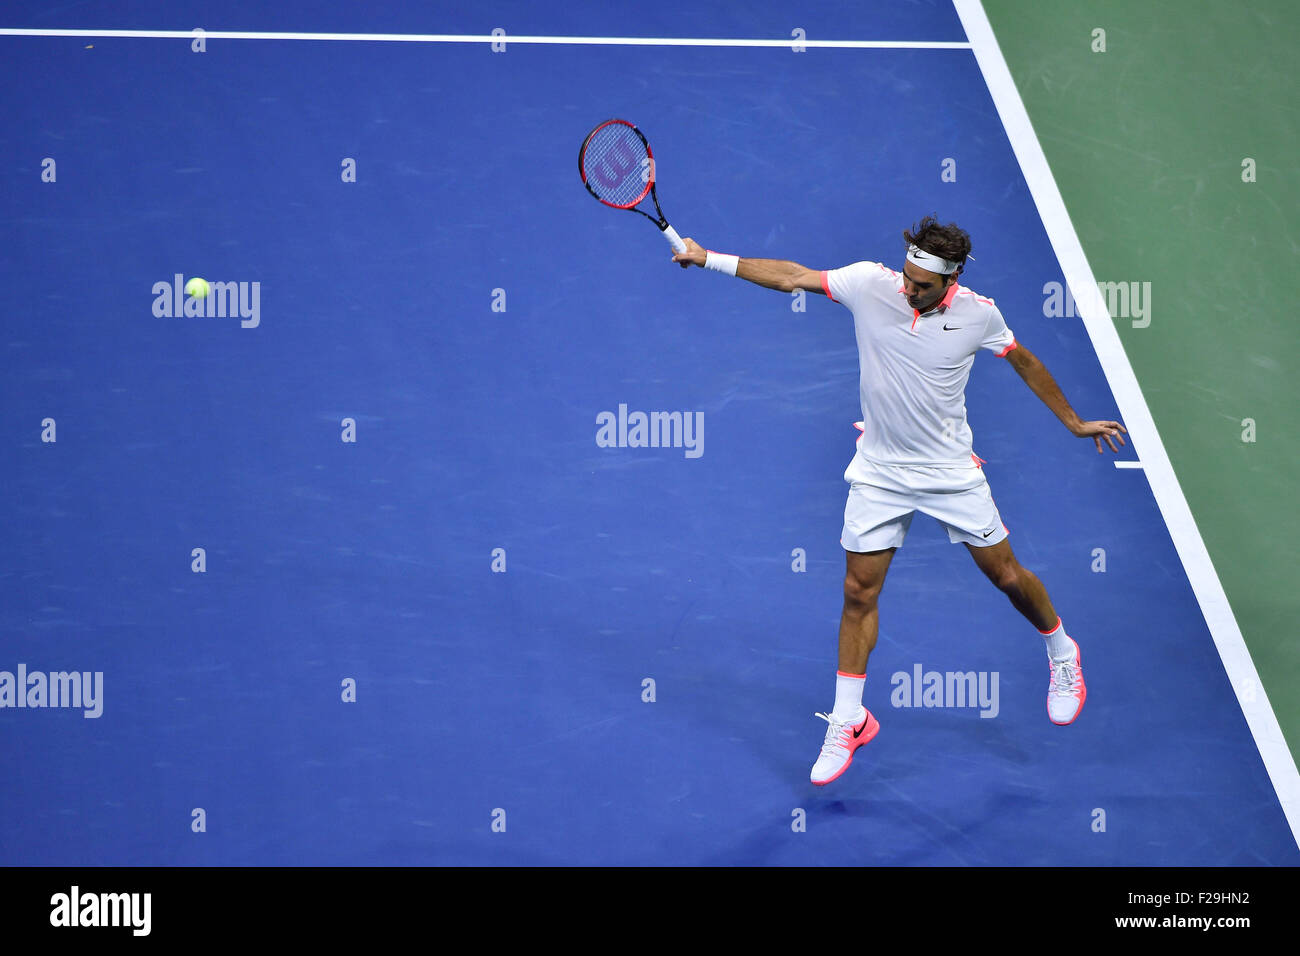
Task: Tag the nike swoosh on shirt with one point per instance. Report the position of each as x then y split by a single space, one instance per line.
987 533
953 329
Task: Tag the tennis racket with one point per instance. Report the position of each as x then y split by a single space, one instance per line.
618 168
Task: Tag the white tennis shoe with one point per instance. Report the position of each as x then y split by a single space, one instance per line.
1066 690
842 739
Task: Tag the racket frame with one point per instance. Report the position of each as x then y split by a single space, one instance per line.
669 232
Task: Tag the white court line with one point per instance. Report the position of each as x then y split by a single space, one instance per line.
1137 417
501 38
1128 464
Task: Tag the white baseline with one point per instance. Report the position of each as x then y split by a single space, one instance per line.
500 38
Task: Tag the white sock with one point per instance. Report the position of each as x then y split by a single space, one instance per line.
1059 645
848 695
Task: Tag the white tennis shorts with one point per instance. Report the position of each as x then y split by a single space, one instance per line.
883 498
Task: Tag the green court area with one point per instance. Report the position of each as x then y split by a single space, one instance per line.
1173 139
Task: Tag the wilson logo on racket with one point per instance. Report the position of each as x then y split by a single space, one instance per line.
615 167
618 168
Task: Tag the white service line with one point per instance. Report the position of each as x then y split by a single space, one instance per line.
1128 464
1137 417
498 38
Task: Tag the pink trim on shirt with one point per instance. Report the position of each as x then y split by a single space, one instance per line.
979 297
944 303
827 288
1007 349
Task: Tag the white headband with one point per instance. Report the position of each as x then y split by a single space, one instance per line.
933 263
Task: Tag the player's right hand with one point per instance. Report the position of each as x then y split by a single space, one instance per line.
694 253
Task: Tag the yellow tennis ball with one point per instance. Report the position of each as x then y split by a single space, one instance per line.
198 288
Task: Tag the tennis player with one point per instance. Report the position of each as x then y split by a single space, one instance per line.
918 331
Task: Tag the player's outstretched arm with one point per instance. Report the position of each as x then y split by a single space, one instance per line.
779 274
1041 383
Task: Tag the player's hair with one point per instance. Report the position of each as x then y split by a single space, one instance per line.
949 242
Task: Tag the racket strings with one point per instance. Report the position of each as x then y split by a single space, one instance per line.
616 165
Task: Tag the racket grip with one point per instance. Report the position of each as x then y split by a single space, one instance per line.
674 240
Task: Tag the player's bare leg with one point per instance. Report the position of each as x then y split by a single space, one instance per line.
851 724
1017 582
864 577
1066 690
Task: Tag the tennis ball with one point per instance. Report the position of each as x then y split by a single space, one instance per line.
198 288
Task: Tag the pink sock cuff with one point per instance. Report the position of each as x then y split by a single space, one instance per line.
857 676
1053 630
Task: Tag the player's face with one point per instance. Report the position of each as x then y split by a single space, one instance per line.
922 287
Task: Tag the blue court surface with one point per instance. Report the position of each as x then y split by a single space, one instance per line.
473 311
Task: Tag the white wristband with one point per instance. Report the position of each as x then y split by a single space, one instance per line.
721 262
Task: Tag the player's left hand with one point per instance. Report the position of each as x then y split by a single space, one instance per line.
1099 430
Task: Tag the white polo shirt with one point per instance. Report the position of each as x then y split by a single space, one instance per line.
914 366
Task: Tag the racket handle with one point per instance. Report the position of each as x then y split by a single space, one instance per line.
674 240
